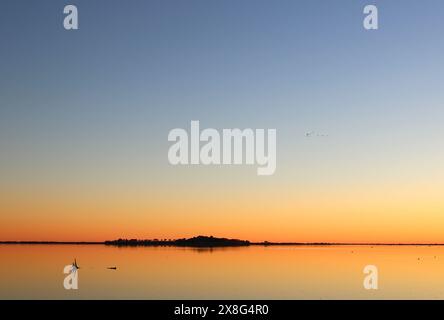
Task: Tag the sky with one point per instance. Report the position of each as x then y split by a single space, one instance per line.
85 115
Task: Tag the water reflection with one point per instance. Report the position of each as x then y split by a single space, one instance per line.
255 272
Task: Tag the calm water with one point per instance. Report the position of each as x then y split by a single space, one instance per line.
285 272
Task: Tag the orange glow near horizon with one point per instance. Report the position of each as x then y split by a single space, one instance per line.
267 213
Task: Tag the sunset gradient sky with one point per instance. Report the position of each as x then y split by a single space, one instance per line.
85 115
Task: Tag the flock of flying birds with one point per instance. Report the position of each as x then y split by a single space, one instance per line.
310 134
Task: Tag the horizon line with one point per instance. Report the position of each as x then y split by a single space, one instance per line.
263 243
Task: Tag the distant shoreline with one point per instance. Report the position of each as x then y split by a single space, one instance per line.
264 244
54 242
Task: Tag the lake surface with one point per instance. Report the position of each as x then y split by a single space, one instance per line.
255 272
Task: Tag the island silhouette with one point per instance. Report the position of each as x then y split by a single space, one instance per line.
209 241
199 241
